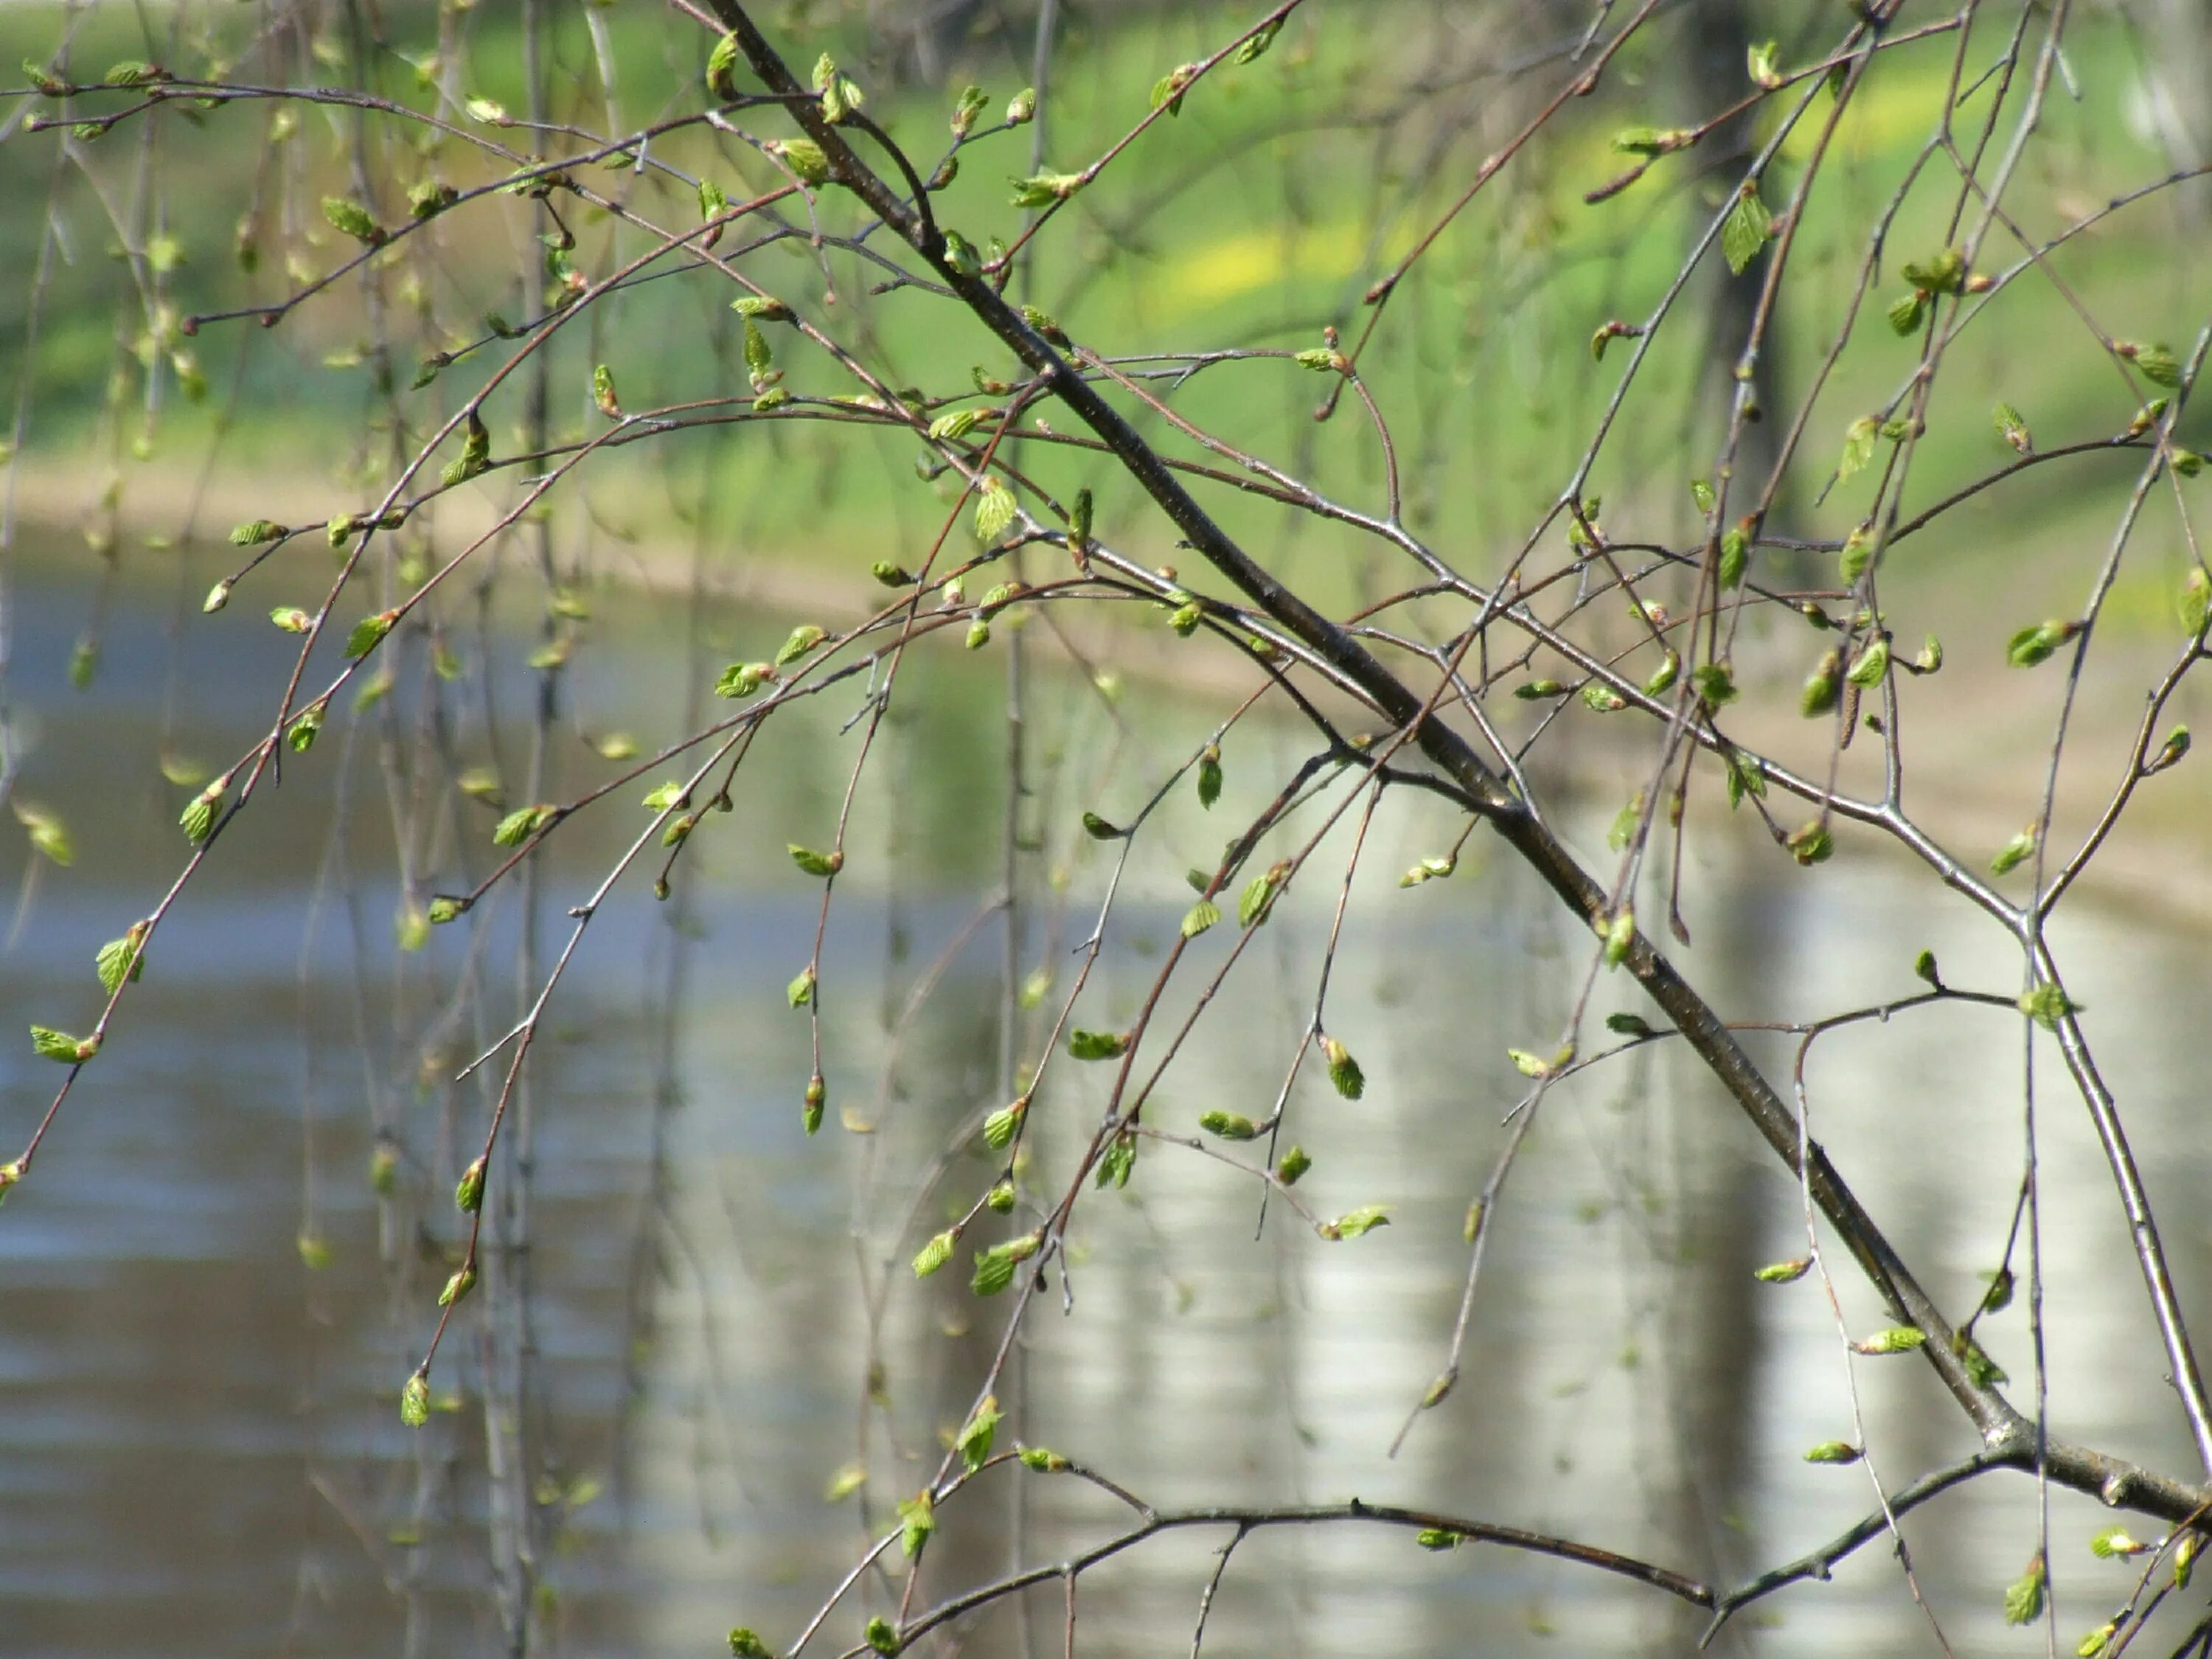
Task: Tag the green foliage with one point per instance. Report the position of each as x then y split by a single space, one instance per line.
1745 231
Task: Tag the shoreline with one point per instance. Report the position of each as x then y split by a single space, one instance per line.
2152 866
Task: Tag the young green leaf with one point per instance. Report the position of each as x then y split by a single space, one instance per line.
1096 1045
50 1044
973 1442
2013 853
966 108
1353 1223
995 510
1858 448
1744 233
816 864
935 1254
121 959
1344 1073
802 640
917 1520
350 218
2023 1597
2158 364
2046 1004
1199 917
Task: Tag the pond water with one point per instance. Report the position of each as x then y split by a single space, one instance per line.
199 1448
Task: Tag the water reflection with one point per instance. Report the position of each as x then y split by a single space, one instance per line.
198 1449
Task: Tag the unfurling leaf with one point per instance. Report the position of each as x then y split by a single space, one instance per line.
999 1127
1944 274
2175 746
1258 898
1834 1451
1262 38
1821 688
517 826
1292 1164
994 511
350 218
800 991
817 864
415 1401
1199 917
1898 1338
1041 190
935 1254
2012 428
1353 1223
2046 1004
881 1635
1096 1045
1982 1371
368 632
49 834
50 1044
742 679
1229 1126
966 108
1810 843
2031 645
722 68
121 959
743 1644
2013 853
1784 1272
1858 447
1343 1071
1209 776
2023 1597
917 1520
973 1442
1872 666
802 640
2158 364
802 156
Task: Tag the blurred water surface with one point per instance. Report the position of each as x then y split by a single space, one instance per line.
199 1452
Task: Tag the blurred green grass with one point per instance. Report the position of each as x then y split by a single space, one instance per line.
1252 218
